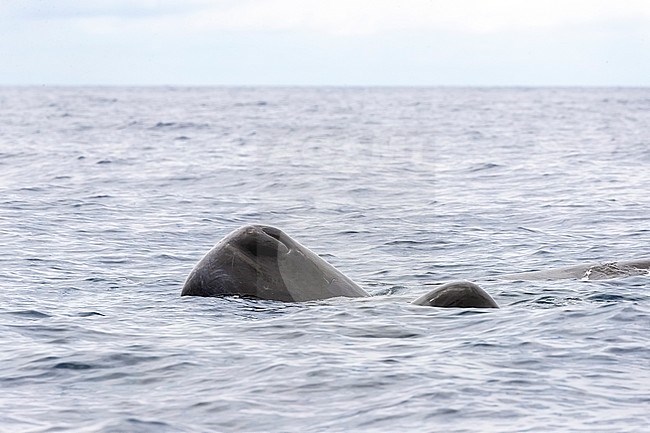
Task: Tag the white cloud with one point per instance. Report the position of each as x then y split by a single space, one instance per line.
334 17
313 42
343 17
71 9
369 16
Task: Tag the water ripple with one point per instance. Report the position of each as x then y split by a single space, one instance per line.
110 195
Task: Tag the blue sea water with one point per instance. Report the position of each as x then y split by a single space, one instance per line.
109 196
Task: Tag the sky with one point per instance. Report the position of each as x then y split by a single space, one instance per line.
326 42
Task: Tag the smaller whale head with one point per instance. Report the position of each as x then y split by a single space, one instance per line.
458 294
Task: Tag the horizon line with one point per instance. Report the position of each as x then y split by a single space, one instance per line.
351 86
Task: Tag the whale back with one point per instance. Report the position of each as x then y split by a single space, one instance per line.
599 271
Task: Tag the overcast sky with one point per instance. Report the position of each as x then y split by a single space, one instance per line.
326 42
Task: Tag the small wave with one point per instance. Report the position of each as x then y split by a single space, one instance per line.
32 189
548 301
251 104
73 366
481 167
405 242
180 125
33 314
170 257
138 425
611 297
89 314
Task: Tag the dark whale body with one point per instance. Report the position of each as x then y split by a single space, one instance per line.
459 294
263 262
258 261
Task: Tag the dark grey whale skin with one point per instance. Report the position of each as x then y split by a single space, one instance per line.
263 262
457 294
259 261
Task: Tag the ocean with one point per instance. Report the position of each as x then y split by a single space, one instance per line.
110 195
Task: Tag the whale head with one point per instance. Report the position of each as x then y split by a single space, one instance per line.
263 262
244 263
458 294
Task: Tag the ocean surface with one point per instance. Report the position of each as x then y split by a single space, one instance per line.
109 196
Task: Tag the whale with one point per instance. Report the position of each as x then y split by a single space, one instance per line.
263 262
259 261
457 294
592 272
